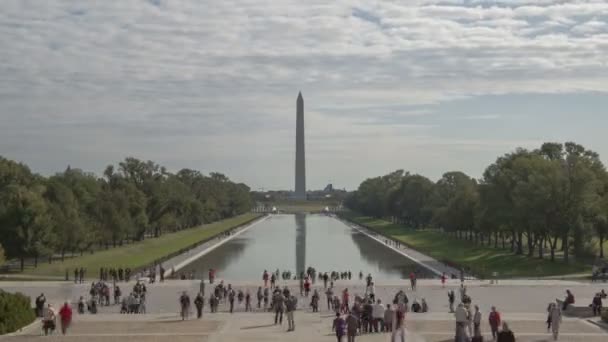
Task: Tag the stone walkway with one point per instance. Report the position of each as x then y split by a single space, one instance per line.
259 327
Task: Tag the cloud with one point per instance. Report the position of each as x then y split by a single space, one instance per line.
170 79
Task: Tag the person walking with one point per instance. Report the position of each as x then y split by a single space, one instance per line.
290 307
451 299
555 315
49 320
506 335
231 296
199 303
469 320
339 326
413 280
399 326
443 277
65 314
494 320
247 301
352 324
184 301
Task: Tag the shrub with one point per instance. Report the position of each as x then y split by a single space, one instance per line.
15 312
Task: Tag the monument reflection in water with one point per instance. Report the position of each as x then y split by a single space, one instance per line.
295 242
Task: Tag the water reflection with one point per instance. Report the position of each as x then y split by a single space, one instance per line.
300 242
293 243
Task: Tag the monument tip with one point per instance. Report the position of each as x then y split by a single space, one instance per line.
299 95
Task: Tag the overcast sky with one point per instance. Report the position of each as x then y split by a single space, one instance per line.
426 86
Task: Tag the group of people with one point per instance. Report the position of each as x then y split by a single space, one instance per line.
49 318
135 302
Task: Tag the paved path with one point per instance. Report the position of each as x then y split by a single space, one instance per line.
259 327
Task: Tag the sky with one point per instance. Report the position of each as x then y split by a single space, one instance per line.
421 85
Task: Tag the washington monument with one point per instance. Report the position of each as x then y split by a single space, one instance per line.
300 192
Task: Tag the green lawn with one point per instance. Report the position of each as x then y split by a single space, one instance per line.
141 253
482 260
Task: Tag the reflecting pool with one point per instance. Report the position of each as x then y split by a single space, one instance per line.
295 242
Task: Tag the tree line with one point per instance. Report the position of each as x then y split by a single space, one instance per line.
75 211
535 202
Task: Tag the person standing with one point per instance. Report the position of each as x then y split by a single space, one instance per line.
65 313
265 278
506 335
199 303
330 296
477 322
388 319
555 315
443 277
339 326
278 302
352 324
345 303
231 296
290 306
461 322
596 304
40 301
469 320
494 320
247 301
161 273
378 316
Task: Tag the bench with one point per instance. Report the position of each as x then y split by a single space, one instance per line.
578 310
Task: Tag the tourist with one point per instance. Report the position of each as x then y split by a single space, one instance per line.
477 322
569 300
40 301
247 301
413 280
339 326
469 320
494 320
451 299
506 335
330 295
199 303
325 280
416 307
463 292
266 297
273 280
369 279
117 294
370 291
315 301
265 278
211 275
291 304
555 318
278 301
378 316
48 320
213 303
306 286
596 304
184 301
337 305
360 275
367 316
352 324
387 323
231 295
461 321
162 273
81 305
345 302
424 305
399 326
443 277
65 313
260 296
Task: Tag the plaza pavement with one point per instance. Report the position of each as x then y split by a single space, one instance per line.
521 302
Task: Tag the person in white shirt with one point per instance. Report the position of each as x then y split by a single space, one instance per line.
477 322
378 316
49 319
461 321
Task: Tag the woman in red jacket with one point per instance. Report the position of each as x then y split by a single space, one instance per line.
66 317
